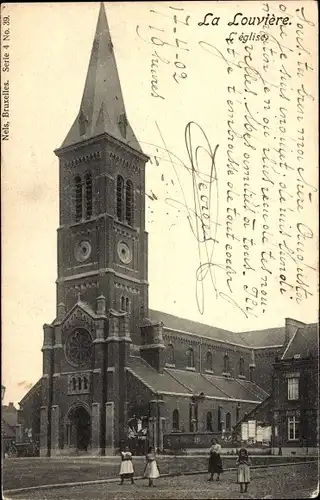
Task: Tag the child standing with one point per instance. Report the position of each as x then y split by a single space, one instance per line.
126 468
151 471
243 473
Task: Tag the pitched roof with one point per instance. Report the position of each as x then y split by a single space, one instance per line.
183 382
186 325
102 107
157 382
254 388
304 343
263 338
196 383
253 339
33 391
233 389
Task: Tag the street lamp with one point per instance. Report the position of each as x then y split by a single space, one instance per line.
3 390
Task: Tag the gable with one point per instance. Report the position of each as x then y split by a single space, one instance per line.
80 315
304 343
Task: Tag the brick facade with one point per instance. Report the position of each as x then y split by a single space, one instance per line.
107 358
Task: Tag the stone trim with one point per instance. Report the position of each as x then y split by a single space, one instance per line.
99 273
152 346
213 339
83 159
76 372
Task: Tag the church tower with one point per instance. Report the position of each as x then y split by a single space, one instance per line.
102 243
102 288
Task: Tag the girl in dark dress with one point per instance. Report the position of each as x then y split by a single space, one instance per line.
215 464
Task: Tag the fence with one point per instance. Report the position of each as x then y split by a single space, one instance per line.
184 440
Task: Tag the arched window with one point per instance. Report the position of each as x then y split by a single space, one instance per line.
129 203
220 418
209 422
127 305
209 360
122 303
226 363
175 420
228 421
238 412
78 198
85 383
190 358
79 383
88 185
170 355
120 196
74 384
241 366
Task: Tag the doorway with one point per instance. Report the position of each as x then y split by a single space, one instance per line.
79 429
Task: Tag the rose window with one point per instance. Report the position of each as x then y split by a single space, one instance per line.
79 347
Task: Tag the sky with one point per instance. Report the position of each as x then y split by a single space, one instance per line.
49 50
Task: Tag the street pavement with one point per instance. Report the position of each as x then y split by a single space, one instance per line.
294 481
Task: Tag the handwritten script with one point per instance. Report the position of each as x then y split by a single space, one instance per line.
252 193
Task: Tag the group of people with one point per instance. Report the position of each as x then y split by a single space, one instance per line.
151 470
243 466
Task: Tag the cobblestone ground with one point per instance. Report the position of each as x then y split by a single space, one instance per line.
294 481
26 472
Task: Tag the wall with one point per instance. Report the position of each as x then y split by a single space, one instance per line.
29 414
264 359
183 341
305 407
138 397
182 404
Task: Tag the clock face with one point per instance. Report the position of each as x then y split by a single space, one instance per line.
82 251
124 252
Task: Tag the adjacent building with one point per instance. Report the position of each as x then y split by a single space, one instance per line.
296 394
9 426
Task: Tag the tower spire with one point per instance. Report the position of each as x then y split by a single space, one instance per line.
102 108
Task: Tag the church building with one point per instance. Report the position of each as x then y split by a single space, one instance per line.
108 359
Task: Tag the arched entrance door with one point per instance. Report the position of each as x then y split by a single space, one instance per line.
79 429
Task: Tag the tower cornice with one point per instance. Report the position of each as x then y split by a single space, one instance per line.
104 136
